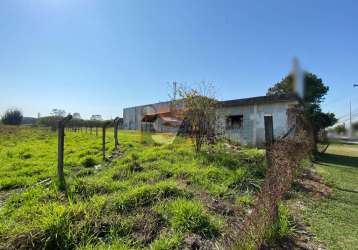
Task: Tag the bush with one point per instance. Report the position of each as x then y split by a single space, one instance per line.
12 117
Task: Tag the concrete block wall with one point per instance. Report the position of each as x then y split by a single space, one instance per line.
253 130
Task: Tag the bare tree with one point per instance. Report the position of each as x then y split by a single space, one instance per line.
201 106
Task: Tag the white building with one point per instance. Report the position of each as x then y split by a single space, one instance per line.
242 119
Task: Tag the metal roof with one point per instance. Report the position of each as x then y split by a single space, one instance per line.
259 99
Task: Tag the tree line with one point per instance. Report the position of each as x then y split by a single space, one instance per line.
15 117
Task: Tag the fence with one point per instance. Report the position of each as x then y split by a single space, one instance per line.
283 157
61 142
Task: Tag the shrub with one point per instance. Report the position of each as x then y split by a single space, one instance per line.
12 117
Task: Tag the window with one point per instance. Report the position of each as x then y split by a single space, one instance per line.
234 122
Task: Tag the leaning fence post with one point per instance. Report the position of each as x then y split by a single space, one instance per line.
61 144
104 139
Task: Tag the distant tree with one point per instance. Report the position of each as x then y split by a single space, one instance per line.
76 115
58 112
29 121
96 117
12 117
200 105
315 90
340 129
49 121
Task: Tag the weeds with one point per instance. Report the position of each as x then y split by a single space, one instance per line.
148 198
189 216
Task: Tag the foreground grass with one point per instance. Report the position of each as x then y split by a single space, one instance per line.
334 220
155 196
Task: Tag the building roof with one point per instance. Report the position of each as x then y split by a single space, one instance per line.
229 103
259 99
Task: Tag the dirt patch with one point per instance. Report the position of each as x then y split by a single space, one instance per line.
224 207
310 182
196 242
148 228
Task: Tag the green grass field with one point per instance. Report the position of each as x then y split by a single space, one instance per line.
155 196
334 220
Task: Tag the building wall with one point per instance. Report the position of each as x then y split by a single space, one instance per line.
252 131
132 117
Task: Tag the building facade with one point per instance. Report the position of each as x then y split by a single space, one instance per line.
241 119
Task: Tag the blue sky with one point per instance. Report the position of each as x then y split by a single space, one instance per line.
96 57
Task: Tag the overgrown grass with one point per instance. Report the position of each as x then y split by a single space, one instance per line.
150 197
190 216
334 220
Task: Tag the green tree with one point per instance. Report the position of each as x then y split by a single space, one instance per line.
340 129
12 117
315 90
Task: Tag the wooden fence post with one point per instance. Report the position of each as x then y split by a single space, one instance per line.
116 123
61 145
104 142
269 137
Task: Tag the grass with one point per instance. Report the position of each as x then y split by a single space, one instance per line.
190 216
154 196
334 220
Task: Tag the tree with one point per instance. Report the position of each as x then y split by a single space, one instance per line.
315 90
96 117
76 115
58 112
340 129
200 106
12 117
49 121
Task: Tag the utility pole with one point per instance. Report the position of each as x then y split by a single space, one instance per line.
174 90
350 119
350 115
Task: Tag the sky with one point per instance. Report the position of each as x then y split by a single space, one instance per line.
97 57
